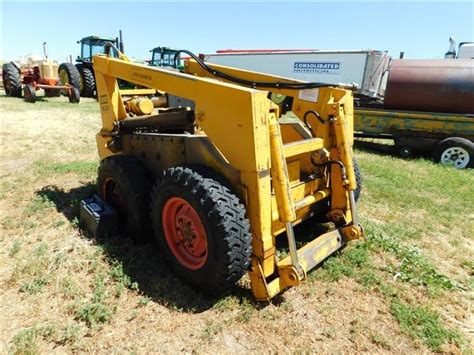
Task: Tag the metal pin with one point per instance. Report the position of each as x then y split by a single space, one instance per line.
292 247
352 205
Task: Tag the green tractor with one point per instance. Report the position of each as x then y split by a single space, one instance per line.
166 57
81 75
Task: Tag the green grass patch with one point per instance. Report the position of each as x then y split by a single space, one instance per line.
39 204
34 286
439 193
25 341
95 311
78 167
15 249
346 263
422 323
122 280
412 266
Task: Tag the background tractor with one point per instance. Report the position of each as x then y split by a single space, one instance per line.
81 74
166 57
34 73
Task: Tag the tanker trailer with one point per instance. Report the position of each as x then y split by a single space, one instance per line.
428 108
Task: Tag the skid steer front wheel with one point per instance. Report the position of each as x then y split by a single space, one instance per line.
123 182
201 228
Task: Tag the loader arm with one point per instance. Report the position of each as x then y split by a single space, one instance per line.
281 174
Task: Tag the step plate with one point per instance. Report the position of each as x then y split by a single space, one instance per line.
317 250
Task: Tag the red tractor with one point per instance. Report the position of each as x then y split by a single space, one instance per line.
35 74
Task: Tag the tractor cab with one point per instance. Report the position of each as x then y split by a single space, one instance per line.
93 45
166 57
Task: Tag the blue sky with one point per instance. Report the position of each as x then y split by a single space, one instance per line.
420 29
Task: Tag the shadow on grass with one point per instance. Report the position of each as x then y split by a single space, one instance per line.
381 148
143 263
387 150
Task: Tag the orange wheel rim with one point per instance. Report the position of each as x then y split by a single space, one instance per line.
112 194
184 233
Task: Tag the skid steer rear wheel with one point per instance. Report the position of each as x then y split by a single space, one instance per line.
123 182
201 228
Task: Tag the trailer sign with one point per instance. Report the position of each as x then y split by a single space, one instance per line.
317 67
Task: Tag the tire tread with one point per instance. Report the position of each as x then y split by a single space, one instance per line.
225 212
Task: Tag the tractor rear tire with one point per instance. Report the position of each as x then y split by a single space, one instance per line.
358 178
11 80
124 183
201 229
87 88
30 93
455 151
68 74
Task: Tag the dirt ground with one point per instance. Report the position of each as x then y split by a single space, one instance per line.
406 289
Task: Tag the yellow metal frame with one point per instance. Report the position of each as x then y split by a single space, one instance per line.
243 124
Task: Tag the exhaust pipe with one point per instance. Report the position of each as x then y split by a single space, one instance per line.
121 41
45 50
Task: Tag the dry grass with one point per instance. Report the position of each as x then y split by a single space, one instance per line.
407 289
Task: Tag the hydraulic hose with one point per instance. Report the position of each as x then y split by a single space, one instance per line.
255 84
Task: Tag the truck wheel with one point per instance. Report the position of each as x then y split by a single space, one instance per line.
87 87
457 152
68 74
358 177
201 228
124 183
405 152
30 93
11 80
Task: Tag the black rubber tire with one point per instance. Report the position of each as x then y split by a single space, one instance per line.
452 142
134 187
52 93
11 80
223 217
359 179
87 88
72 74
30 94
74 96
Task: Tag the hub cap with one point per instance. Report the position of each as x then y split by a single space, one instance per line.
184 233
455 156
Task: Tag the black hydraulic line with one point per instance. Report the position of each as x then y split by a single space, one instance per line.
316 114
332 162
254 84
244 82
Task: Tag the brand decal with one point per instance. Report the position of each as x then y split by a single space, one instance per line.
141 76
317 67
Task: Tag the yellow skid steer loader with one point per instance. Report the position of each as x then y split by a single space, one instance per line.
218 175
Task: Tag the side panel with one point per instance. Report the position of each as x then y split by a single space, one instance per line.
428 125
161 151
364 68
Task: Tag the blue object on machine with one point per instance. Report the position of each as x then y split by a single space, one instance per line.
98 217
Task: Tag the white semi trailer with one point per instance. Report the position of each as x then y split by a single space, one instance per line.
366 68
